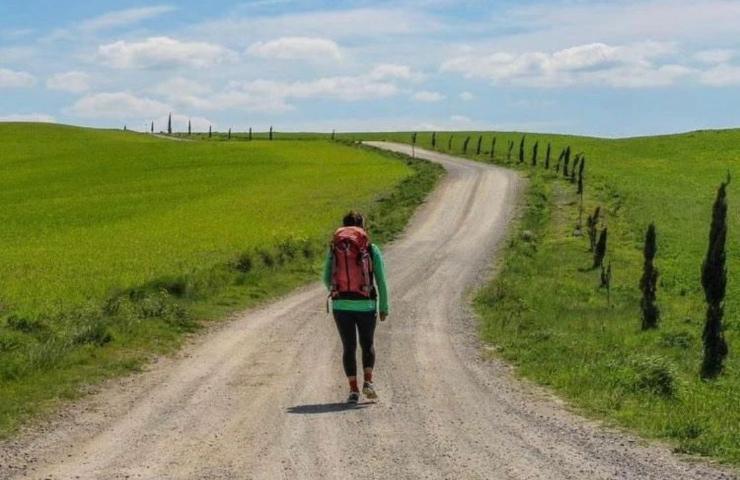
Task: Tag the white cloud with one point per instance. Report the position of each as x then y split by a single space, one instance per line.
721 76
296 48
591 64
714 56
14 79
28 117
466 96
118 105
163 52
73 82
427 96
387 71
121 18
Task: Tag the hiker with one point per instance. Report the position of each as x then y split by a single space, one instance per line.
353 266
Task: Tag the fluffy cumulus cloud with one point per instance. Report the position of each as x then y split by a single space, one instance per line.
73 82
296 48
163 52
466 96
28 117
427 96
118 106
13 79
595 63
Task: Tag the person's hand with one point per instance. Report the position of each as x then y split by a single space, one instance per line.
383 316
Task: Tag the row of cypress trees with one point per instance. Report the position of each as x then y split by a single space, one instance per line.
270 134
713 269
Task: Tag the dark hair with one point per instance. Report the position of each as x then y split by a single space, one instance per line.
353 219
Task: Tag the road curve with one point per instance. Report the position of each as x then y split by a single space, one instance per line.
258 397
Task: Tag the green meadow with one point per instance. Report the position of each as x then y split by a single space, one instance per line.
546 314
115 245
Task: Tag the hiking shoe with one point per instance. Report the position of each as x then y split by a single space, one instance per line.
353 398
368 389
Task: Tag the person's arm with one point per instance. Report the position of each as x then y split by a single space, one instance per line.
379 271
327 270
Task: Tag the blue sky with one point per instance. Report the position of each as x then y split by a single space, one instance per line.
616 68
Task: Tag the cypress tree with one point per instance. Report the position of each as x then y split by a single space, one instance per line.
413 138
434 140
600 251
511 148
534 153
576 161
649 282
125 128
190 128
210 131
566 161
581 167
449 143
250 133
270 134
465 145
547 156
593 223
477 148
152 128
169 125
521 149
332 135
229 137
560 161
606 282
493 149
714 282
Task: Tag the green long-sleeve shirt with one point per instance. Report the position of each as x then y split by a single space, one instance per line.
362 305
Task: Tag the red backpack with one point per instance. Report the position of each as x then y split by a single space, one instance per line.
352 264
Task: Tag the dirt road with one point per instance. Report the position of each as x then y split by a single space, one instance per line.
258 398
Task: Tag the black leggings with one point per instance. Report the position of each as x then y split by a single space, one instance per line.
349 324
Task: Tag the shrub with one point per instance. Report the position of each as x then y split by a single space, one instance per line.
267 258
682 340
25 325
654 374
243 262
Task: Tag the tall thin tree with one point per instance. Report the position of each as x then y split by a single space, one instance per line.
477 148
510 150
547 156
649 282
152 127
534 153
600 251
190 128
169 125
449 143
566 161
210 131
229 137
250 133
434 140
581 167
465 145
521 149
270 134
493 149
714 282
